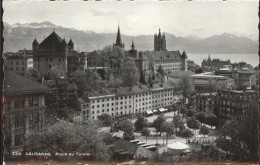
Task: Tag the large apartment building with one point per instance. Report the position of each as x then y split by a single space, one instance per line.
24 109
204 81
235 103
124 101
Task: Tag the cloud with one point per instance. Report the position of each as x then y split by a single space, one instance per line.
97 13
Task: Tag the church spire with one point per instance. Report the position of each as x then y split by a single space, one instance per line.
118 39
133 45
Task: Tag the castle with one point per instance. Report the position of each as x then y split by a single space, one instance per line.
56 52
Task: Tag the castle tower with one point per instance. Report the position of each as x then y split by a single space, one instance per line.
64 46
71 45
118 39
35 44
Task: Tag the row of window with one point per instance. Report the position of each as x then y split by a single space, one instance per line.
167 61
138 95
17 69
20 102
16 62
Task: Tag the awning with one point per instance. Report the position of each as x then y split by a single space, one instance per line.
149 112
177 145
149 147
154 111
141 143
161 110
134 141
165 109
145 145
119 150
123 153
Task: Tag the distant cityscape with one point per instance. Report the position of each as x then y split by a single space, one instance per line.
116 104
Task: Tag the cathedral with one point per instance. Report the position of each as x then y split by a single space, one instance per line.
159 42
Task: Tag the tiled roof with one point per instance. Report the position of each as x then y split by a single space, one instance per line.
15 84
125 90
123 145
160 55
52 42
247 71
177 74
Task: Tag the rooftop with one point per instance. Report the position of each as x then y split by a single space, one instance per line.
15 84
111 92
159 55
208 76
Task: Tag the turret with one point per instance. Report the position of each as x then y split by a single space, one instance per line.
64 45
184 55
71 45
35 44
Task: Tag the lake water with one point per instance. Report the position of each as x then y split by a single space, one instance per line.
248 58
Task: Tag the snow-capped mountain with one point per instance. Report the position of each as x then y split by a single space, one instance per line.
19 36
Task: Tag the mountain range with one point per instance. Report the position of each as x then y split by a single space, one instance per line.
20 36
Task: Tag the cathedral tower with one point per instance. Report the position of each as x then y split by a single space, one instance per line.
159 42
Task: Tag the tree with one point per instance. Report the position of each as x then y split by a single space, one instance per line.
237 149
142 78
114 82
113 56
56 72
204 130
158 122
211 119
185 86
161 72
177 122
191 113
125 125
140 123
65 137
145 131
150 80
212 86
130 73
128 135
186 133
106 119
87 80
33 74
184 111
192 124
243 128
168 128
151 68
201 116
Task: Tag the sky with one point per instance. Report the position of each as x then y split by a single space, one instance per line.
181 18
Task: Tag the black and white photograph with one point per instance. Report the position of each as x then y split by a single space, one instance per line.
130 82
